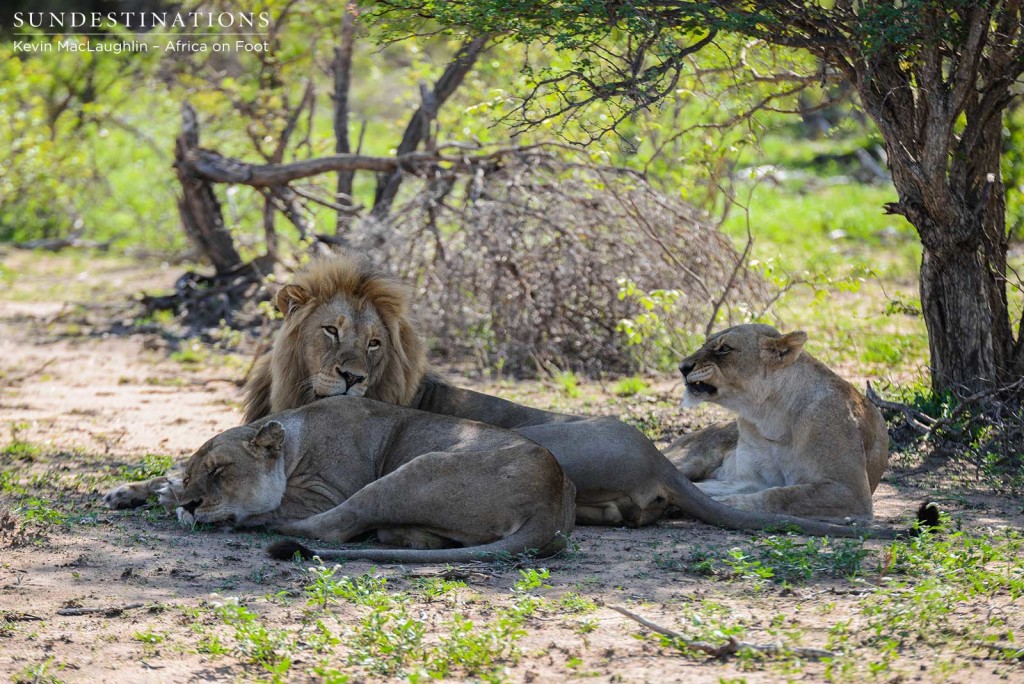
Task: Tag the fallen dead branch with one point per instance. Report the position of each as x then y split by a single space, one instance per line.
928 425
17 379
985 428
730 647
917 420
15 616
112 611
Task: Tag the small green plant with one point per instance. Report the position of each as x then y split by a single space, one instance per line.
270 649
387 640
18 448
787 559
793 561
701 562
151 465
211 644
149 640
148 637
436 587
706 621
568 382
747 567
576 603
365 590
38 674
192 353
37 511
630 387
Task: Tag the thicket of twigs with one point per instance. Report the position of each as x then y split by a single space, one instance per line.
520 265
980 433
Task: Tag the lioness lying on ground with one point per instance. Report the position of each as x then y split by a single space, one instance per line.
804 442
347 332
343 467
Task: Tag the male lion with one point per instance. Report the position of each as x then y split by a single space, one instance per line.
342 467
804 442
346 331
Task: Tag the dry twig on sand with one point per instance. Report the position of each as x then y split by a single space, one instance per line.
730 647
110 611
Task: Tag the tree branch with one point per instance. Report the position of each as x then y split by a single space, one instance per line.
418 126
342 68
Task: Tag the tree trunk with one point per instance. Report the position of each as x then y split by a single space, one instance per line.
959 318
963 270
198 205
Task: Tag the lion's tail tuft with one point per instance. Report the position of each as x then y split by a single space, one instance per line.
928 517
287 548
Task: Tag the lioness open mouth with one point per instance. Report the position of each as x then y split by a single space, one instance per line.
701 388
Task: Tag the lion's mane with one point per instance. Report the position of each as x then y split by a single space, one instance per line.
279 379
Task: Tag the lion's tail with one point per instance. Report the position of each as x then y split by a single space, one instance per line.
287 549
696 504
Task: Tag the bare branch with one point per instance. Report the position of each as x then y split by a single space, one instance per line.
418 126
730 647
342 68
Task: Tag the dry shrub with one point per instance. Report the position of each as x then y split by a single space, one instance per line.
520 265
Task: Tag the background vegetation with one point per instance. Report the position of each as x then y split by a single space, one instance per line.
788 168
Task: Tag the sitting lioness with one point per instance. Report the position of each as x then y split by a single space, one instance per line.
347 332
805 442
343 467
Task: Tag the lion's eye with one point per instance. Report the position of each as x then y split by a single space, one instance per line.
373 345
218 471
723 350
331 331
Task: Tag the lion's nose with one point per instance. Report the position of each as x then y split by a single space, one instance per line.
351 379
686 368
191 506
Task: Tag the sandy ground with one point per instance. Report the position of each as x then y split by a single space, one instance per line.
92 403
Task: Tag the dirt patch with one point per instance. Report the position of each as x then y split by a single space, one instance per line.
88 594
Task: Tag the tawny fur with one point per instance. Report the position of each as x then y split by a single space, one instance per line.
805 442
621 477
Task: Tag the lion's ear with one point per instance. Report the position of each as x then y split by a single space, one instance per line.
291 297
778 352
270 437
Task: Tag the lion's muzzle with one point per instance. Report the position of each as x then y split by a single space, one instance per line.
339 382
700 375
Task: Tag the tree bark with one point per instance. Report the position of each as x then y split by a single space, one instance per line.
342 68
963 268
418 127
959 319
198 205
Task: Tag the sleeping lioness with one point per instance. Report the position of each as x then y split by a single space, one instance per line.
343 467
804 442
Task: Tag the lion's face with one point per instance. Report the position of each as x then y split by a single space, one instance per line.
346 331
345 348
235 475
736 362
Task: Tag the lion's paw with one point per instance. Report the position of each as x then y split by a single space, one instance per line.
185 518
130 495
